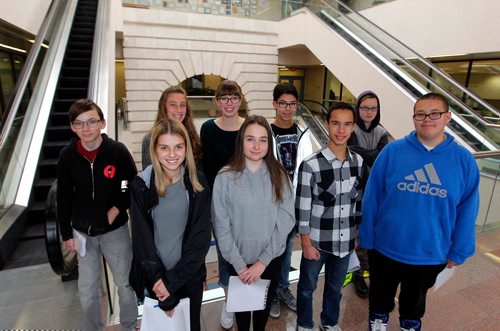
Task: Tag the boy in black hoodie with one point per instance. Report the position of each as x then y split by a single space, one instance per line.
367 140
93 172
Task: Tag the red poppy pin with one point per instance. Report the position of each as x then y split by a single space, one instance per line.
109 171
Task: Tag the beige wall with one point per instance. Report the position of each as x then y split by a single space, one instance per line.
344 61
313 83
441 27
25 14
163 48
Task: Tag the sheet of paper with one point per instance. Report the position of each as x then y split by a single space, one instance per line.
153 318
80 243
353 262
443 277
246 297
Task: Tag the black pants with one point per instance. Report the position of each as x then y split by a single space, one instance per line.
362 254
385 276
259 317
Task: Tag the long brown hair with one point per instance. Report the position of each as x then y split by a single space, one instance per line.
277 172
187 121
173 127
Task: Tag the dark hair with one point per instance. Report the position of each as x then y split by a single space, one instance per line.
433 96
368 95
81 106
228 87
340 105
284 88
277 172
187 121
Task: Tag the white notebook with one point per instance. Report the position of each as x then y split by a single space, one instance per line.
154 319
246 297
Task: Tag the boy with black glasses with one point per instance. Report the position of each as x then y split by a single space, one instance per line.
419 213
293 144
93 173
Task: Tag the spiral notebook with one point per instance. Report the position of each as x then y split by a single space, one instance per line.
246 297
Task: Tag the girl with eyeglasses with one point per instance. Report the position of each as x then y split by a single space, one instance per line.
253 213
217 141
368 139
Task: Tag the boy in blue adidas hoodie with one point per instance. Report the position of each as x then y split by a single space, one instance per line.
419 212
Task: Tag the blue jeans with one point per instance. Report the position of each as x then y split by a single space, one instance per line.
335 272
116 246
223 269
284 281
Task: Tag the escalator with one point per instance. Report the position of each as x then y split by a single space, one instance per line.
51 133
73 84
475 123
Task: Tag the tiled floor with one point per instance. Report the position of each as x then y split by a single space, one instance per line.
35 298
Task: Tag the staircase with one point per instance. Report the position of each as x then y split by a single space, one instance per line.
72 85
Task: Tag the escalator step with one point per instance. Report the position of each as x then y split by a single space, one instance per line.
75 62
79 53
62 105
74 82
58 133
72 93
75 72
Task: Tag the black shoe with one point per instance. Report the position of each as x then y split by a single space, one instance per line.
360 286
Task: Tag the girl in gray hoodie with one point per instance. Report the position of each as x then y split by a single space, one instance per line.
253 212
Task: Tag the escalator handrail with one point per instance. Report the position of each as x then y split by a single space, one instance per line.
25 74
428 63
318 123
418 71
98 88
59 264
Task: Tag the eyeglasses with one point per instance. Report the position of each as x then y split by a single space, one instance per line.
432 116
365 108
283 105
91 123
225 100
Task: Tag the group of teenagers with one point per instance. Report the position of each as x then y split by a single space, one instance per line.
407 208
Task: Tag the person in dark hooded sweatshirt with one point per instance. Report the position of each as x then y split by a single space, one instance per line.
369 137
367 140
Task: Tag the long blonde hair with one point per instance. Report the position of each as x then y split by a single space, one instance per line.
173 127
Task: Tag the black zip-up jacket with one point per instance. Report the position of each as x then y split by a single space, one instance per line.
195 243
86 191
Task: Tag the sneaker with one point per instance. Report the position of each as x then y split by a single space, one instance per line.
275 307
410 325
300 328
226 319
335 327
287 297
378 325
360 286
378 322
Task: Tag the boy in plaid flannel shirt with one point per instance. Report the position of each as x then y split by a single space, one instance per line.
327 207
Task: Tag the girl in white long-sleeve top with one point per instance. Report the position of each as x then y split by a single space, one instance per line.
253 212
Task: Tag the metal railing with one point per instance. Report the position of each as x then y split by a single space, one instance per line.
404 66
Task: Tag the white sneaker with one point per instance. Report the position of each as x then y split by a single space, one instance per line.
378 325
335 327
226 319
300 328
275 310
